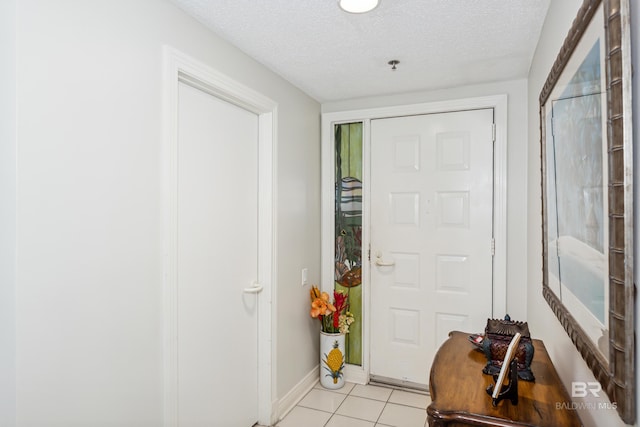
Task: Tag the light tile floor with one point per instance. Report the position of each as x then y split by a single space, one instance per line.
357 405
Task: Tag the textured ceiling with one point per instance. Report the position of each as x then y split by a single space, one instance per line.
333 55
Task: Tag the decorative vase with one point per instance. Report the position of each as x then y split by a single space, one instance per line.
331 360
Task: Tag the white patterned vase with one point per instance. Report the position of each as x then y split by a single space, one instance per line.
331 360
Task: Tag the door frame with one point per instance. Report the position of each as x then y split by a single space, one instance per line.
360 374
181 68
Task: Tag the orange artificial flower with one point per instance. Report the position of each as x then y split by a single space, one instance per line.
314 293
320 305
333 317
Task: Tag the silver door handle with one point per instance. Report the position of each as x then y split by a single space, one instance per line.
254 289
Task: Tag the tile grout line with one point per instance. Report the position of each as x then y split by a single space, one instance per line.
383 408
345 398
346 395
336 410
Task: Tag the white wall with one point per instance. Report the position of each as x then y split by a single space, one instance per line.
7 213
635 52
516 92
542 321
89 285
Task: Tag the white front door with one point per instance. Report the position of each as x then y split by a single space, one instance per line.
431 237
217 259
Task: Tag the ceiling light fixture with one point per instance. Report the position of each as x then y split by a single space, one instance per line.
358 6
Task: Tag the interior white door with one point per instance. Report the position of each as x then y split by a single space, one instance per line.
217 260
431 237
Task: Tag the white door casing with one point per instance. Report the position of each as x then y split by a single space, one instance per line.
498 103
181 70
431 236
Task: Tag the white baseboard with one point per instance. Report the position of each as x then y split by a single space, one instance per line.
355 374
295 395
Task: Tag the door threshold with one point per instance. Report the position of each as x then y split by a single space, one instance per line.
399 384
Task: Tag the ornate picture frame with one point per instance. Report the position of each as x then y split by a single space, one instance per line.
587 195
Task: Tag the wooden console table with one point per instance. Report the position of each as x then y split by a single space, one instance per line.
459 397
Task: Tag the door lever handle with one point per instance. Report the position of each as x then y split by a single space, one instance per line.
254 289
381 263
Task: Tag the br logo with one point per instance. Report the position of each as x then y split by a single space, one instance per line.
582 389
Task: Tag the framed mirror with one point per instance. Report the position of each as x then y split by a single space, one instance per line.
587 195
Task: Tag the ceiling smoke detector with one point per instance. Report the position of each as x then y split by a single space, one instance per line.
358 6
